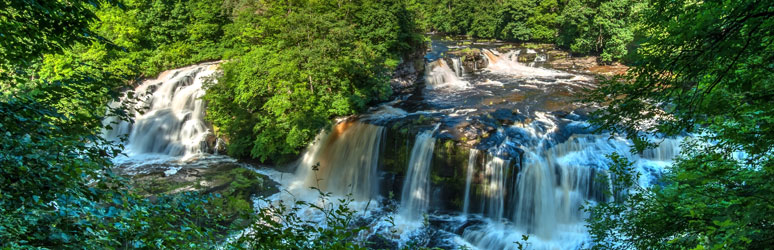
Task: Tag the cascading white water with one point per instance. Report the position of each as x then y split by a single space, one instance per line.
507 64
541 57
169 116
469 178
458 66
666 150
550 187
494 187
439 75
416 187
348 157
535 206
537 191
553 183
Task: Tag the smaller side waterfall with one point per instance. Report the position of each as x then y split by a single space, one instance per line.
494 187
439 75
469 178
458 66
665 151
415 197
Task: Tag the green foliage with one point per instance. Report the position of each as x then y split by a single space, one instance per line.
606 220
140 38
706 69
601 26
515 20
607 27
301 65
56 187
32 29
282 226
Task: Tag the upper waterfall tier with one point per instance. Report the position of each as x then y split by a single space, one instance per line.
168 116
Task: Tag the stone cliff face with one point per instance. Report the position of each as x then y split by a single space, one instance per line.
409 72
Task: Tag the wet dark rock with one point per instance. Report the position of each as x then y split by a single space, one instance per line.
214 144
507 116
471 59
445 135
527 57
548 79
564 77
380 241
556 54
471 222
408 73
442 240
160 179
447 173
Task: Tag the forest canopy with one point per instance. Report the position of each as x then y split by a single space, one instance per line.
300 64
584 27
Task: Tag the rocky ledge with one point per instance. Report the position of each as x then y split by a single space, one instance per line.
229 187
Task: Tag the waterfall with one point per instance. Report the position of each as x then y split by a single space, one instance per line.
666 150
458 69
553 183
415 197
348 158
169 115
469 178
439 75
494 187
508 64
540 57
535 206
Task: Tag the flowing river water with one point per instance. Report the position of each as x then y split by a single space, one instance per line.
490 148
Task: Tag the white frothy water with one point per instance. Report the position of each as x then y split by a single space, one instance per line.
416 187
552 184
494 187
507 64
168 117
439 75
469 178
458 67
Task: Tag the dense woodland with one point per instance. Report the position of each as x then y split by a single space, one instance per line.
291 66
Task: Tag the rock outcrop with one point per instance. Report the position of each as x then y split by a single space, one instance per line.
408 72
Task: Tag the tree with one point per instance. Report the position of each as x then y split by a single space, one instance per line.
302 64
601 26
705 69
57 190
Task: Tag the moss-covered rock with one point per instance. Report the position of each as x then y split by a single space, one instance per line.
471 58
231 186
448 173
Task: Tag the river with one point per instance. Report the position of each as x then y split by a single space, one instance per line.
492 146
